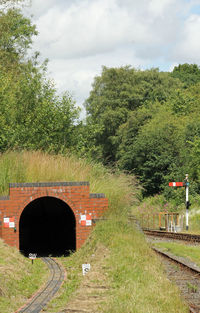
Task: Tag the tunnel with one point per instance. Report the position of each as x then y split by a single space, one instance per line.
47 227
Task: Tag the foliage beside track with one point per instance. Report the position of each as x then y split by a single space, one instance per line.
19 279
189 252
130 266
39 166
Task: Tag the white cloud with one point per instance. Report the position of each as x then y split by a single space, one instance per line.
92 27
83 29
187 50
79 36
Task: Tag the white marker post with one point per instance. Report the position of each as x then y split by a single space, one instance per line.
187 203
32 256
86 268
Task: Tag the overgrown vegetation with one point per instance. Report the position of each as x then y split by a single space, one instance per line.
32 115
135 277
129 271
143 123
38 166
148 209
147 122
19 279
189 252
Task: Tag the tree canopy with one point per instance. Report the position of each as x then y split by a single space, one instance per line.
147 123
32 115
117 93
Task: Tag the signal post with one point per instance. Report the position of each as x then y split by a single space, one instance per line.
185 184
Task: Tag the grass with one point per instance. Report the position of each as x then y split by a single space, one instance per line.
19 279
147 212
133 272
41 167
189 252
191 287
38 166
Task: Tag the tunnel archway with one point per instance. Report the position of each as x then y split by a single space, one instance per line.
47 226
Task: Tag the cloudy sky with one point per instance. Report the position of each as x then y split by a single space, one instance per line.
79 36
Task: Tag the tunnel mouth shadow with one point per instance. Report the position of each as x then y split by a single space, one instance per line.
47 227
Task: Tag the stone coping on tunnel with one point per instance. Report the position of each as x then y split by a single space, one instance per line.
48 184
97 195
4 198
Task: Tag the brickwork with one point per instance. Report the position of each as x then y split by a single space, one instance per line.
75 194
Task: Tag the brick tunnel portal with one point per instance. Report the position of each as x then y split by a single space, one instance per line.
47 227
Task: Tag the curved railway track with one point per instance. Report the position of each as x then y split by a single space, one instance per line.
187 274
38 302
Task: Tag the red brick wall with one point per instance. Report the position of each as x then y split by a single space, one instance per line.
75 194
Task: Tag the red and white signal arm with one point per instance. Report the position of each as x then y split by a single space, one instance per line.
86 220
9 222
177 184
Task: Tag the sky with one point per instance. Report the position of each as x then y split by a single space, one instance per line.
80 36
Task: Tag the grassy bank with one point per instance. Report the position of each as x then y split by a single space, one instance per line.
19 279
192 253
41 167
135 276
126 267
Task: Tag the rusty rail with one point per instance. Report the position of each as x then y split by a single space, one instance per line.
172 235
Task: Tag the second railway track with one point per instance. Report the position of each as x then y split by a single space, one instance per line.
184 273
186 276
171 235
39 301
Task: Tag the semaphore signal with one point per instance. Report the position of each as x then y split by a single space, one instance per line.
176 184
185 184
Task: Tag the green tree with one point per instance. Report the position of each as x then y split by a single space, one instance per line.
152 151
117 93
188 74
33 116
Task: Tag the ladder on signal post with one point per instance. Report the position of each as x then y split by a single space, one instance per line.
185 184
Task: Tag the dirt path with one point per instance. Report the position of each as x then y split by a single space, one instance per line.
94 288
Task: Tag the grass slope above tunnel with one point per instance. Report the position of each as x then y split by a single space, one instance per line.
47 227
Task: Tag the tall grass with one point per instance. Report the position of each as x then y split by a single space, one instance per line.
131 270
19 279
42 167
135 276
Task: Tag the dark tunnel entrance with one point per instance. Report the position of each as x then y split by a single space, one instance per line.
47 227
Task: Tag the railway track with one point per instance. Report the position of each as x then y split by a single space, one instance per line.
177 236
186 276
184 273
56 278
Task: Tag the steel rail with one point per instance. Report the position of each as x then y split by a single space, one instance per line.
177 236
172 235
39 301
194 269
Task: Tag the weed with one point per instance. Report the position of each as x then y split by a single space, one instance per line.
191 287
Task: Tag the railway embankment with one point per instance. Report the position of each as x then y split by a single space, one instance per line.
182 266
125 275
19 279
